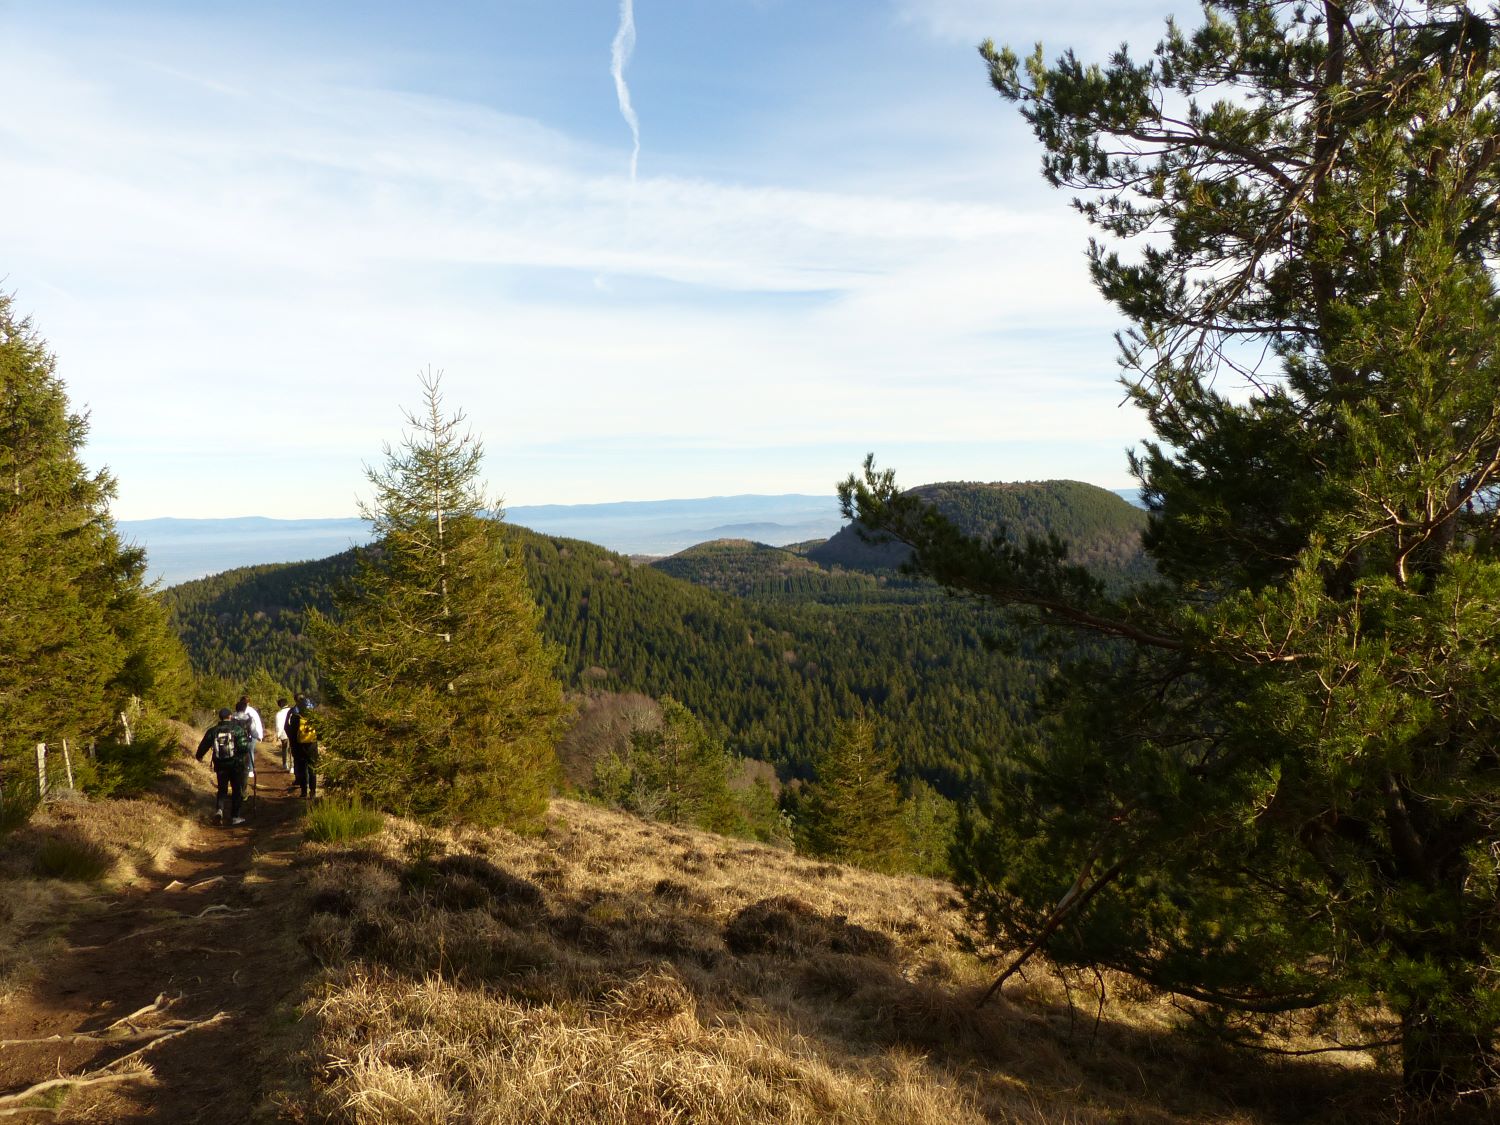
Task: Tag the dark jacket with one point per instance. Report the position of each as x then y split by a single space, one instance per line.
237 730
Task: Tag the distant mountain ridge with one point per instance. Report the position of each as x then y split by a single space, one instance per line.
772 675
182 549
179 550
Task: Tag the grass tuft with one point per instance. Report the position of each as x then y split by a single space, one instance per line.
71 858
14 813
336 821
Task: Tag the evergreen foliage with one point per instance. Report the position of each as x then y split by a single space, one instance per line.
212 692
80 632
445 703
675 771
765 819
852 811
128 769
806 645
252 619
754 570
930 822
1282 791
920 663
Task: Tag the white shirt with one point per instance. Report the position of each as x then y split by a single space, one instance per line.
281 721
257 728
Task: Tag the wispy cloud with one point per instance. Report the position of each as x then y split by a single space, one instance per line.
619 54
211 237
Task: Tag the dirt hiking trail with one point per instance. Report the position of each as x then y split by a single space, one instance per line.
193 967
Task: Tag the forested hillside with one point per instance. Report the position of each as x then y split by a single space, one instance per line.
738 566
766 645
774 678
251 618
1103 531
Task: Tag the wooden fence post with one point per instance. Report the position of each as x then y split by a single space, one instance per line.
41 771
68 764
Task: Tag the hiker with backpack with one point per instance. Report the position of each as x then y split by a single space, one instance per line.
303 736
230 743
250 717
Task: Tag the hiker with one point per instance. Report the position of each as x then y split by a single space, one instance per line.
230 743
304 740
244 713
282 711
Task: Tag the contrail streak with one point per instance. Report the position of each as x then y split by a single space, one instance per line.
619 55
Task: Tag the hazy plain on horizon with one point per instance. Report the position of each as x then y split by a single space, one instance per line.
180 549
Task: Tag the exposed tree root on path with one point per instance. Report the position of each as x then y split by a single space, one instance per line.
124 1029
11 1104
8 1109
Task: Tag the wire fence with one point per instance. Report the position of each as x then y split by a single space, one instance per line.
54 770
53 775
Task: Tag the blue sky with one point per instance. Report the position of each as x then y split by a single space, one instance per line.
245 228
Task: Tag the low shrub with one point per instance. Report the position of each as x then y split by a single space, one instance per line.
121 769
72 858
336 820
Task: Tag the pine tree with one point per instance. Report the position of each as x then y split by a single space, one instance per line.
80 633
263 690
1282 792
156 669
445 706
676 771
930 822
852 811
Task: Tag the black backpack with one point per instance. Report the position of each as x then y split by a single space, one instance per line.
243 722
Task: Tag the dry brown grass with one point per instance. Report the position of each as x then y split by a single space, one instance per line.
614 970
132 838
29 909
139 835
